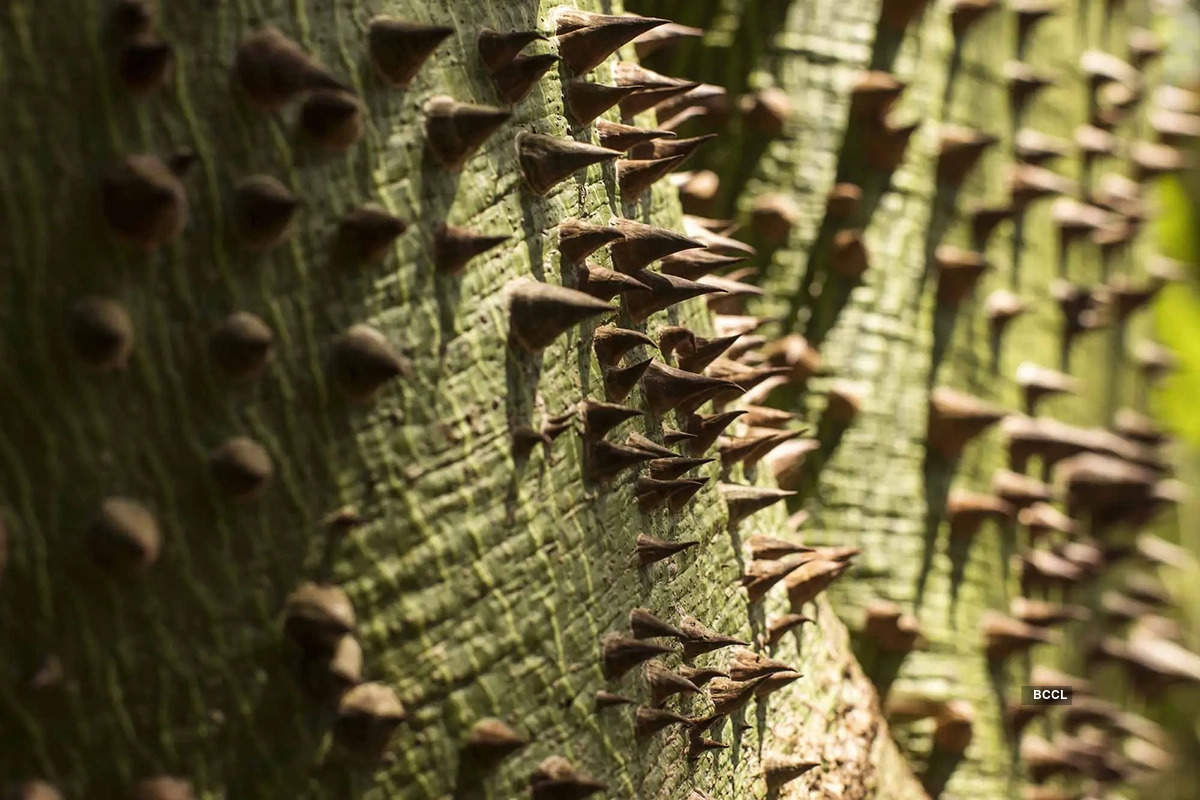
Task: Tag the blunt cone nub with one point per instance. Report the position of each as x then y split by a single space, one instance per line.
272 69
454 247
455 131
241 345
331 119
548 160
556 778
540 312
124 536
399 48
144 202
365 234
362 361
144 64
491 740
317 616
367 715
241 467
100 331
263 210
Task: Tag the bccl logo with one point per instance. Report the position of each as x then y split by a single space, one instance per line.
1046 695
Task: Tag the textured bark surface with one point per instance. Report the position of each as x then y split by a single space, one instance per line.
482 582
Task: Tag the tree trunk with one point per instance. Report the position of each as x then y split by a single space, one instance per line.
170 473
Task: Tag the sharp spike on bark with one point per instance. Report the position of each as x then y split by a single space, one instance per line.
778 626
144 202
516 80
958 272
241 345
767 111
331 119
776 681
675 337
611 344
667 388
964 14
577 240
747 665
454 247
362 361
697 747
1023 83
1019 490
683 495
779 770
898 13
1001 308
743 501
606 459
317 616
1035 147
1005 635
145 64
955 418
751 448
771 547
635 177
701 639
621 653
365 234
1028 183
241 467
101 333
645 625
1037 382
952 733
652 493
664 683
600 418
586 101
616 136
455 131
546 160
670 468
649 721
497 49
637 440
984 222
960 150
728 696
664 36
1041 518
843 201
664 291
873 94
887 144
705 100
643 244
762 574
651 550
1043 614
694 227
1149 160
810 579
706 429
669 148
263 211
491 740
696 263
653 88
700 675
608 700
540 312
398 49
367 715
272 69
849 255
124 536
619 381
967 511
583 45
